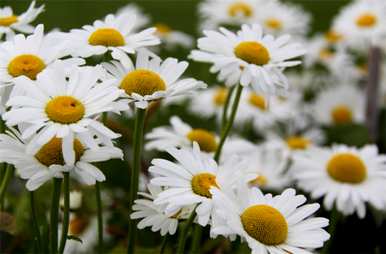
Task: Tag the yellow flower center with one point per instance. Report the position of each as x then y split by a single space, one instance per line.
252 52
298 142
333 37
65 109
205 139
274 23
163 28
78 225
108 37
201 184
7 21
347 168
27 65
366 20
240 8
259 181
265 224
341 114
326 54
51 153
220 96
257 101
143 82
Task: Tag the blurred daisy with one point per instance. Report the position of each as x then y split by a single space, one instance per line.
271 224
249 57
346 176
342 104
65 109
189 181
154 216
75 200
39 164
11 23
114 34
151 79
180 134
133 10
171 38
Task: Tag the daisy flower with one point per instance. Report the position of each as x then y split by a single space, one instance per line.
171 38
346 176
151 79
11 23
270 224
342 104
68 108
132 9
39 164
114 33
180 134
188 182
249 57
154 216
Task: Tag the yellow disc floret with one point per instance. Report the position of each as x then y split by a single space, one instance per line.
341 114
333 37
220 96
205 139
201 184
366 20
108 37
143 82
163 28
51 153
298 142
273 23
252 52
347 168
7 21
257 101
265 224
240 8
259 181
65 109
27 65
77 225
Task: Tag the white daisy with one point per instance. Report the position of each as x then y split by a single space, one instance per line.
180 134
65 109
346 176
132 9
270 224
151 79
154 216
171 38
115 33
11 23
39 164
340 104
249 57
189 180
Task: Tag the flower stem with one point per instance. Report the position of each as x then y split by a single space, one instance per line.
184 233
164 243
66 211
334 221
4 184
197 233
134 176
229 124
226 106
100 217
55 215
35 223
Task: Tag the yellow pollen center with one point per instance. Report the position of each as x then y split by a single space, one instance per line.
163 29
201 184
27 65
220 96
77 226
274 23
252 52
347 168
7 21
341 114
366 20
298 142
51 153
205 139
257 101
326 54
240 8
265 224
65 109
259 181
143 82
333 37
108 37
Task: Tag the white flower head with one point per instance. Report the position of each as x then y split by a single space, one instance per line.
132 9
171 38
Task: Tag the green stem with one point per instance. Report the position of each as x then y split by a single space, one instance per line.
100 217
4 184
164 243
184 233
55 215
334 221
229 124
66 211
35 223
226 106
134 176
197 233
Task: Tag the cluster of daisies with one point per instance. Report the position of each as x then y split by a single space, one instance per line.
58 90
